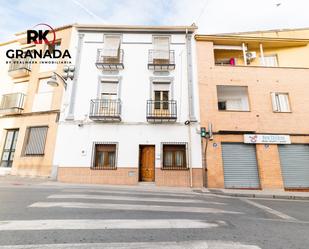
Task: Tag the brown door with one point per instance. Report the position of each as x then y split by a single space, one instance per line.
147 163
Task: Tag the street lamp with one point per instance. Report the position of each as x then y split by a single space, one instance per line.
53 80
68 72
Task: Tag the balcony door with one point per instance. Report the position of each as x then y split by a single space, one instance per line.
111 51
161 46
109 97
161 105
9 148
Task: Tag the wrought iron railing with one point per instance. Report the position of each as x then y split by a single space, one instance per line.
105 109
161 110
161 58
110 58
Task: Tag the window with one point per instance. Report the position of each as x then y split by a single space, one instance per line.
105 156
228 61
43 98
270 61
35 141
222 105
174 157
280 102
233 98
111 46
9 148
50 64
55 46
108 94
161 100
161 47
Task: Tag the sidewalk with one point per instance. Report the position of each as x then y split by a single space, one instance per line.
27 181
23 180
270 194
44 182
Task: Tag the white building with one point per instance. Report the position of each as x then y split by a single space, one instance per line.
131 112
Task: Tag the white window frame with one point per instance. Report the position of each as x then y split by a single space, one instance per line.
277 102
227 99
263 60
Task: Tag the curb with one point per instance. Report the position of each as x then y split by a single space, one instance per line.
266 196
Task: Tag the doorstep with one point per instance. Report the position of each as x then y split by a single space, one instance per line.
270 194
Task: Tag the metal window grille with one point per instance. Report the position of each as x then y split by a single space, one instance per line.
174 156
104 156
35 141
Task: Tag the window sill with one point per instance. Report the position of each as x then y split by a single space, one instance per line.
257 66
233 111
103 168
174 168
34 155
282 112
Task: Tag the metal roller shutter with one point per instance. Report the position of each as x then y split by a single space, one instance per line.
240 166
295 165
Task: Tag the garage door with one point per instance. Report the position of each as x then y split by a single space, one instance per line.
295 165
240 166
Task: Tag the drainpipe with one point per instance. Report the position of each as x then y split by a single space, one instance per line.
70 115
244 53
191 116
262 54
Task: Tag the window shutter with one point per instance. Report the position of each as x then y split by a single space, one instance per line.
109 87
284 102
274 102
111 46
36 141
234 104
161 48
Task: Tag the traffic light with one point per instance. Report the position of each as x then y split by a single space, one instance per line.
203 132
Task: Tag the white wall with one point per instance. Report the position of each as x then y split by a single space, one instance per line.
76 150
74 143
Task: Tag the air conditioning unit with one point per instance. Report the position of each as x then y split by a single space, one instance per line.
251 55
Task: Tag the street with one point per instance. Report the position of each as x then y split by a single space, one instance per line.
62 216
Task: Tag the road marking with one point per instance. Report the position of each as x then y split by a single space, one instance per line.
128 198
131 192
277 220
13 225
131 207
270 210
141 245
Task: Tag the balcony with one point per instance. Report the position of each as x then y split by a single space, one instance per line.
19 68
105 110
12 103
110 59
161 60
161 111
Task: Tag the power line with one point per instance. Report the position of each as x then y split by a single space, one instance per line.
202 11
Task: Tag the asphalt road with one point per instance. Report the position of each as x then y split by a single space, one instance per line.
59 216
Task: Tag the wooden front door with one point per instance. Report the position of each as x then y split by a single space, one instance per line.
147 163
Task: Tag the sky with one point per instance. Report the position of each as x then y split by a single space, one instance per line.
211 16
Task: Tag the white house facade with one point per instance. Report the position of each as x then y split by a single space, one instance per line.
131 112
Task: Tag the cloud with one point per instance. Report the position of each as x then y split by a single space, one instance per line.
212 16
